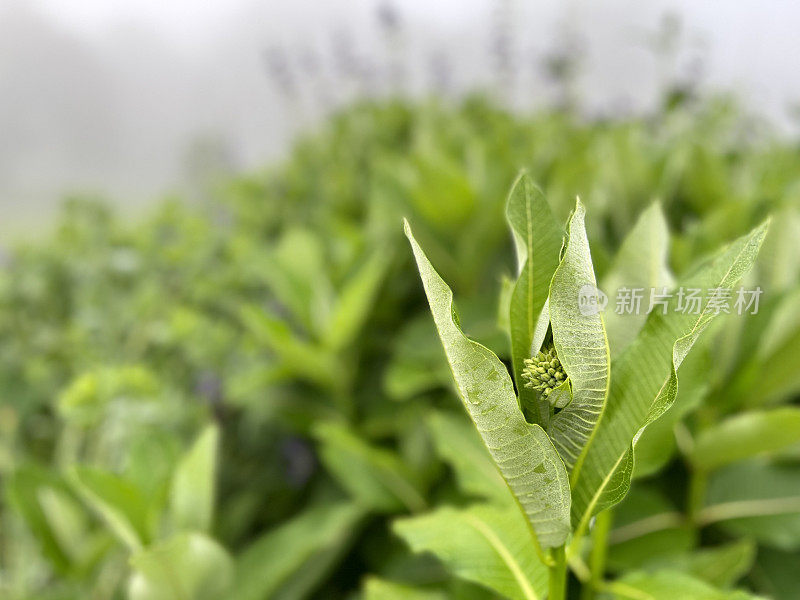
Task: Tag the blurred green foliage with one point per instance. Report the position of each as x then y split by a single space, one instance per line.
238 400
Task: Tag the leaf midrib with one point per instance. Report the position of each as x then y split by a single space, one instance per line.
505 555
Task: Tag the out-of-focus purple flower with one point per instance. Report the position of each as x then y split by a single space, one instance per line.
299 459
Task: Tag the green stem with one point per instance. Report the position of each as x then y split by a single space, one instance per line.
597 556
558 574
698 482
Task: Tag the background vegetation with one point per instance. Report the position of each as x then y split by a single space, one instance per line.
243 400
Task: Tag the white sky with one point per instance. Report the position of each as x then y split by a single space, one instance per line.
108 94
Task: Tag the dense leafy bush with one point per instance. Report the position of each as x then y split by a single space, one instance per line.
249 400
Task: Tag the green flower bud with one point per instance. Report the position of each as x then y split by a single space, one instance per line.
544 372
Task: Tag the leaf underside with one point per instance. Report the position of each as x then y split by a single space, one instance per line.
523 453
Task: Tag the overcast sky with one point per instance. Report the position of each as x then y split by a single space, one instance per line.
112 95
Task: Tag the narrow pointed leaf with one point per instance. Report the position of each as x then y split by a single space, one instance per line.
192 494
289 561
375 477
537 236
580 342
523 453
645 383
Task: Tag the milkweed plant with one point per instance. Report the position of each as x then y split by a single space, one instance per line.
562 421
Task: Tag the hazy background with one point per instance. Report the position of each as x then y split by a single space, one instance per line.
134 99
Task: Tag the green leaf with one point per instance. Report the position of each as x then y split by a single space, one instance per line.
524 454
645 383
581 344
484 544
188 566
758 500
538 237
192 494
656 446
669 585
721 566
297 356
460 446
772 374
777 574
641 262
289 561
23 489
648 531
117 501
375 477
297 275
355 302
380 589
417 364
746 435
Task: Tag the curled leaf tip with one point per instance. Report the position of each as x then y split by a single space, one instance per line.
406 228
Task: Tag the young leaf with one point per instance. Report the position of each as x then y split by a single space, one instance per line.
192 494
298 553
641 262
524 454
537 236
580 340
375 477
189 566
484 544
645 383
745 435
355 301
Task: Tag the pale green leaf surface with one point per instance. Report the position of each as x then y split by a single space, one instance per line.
523 453
641 262
293 551
645 383
581 345
375 588
375 477
746 435
188 566
537 236
192 493
484 544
